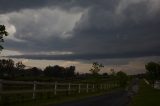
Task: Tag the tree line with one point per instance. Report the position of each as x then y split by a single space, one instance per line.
8 68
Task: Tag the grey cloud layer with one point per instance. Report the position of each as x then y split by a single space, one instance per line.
17 5
105 29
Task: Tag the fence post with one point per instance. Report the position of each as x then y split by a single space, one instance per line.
101 87
93 87
79 88
87 88
55 88
1 87
34 90
69 88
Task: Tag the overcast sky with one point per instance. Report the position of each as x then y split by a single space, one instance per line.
119 32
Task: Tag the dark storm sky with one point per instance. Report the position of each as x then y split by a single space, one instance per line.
86 29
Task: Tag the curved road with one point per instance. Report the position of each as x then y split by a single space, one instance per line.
114 98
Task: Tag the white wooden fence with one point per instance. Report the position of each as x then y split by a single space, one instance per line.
54 87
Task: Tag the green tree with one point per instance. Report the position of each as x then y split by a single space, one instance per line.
153 71
3 33
54 71
96 67
70 71
34 71
6 67
122 78
59 71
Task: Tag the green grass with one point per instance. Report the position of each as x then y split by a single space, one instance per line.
147 96
61 99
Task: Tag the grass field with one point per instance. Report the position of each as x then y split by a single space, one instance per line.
59 99
147 96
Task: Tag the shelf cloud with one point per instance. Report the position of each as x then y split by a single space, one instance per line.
89 29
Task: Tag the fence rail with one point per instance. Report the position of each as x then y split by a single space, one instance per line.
21 87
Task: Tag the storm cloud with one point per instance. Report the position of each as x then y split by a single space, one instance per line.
89 29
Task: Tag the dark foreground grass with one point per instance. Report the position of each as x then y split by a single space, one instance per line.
61 99
147 96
